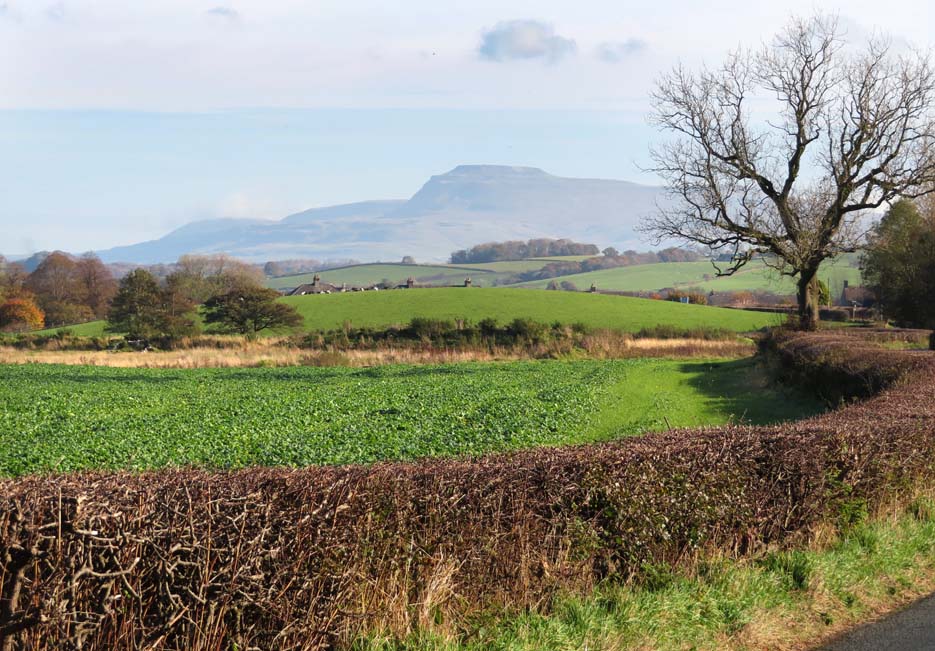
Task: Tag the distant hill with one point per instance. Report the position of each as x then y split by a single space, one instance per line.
466 206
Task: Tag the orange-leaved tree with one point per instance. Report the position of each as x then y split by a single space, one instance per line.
19 314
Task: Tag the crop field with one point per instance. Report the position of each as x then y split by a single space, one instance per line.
651 277
66 418
613 312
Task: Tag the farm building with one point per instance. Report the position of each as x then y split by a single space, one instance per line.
857 296
317 287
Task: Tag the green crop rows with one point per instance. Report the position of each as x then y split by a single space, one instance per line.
64 418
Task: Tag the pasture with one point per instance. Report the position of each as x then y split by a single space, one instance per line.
396 307
483 274
756 276
378 309
371 274
68 418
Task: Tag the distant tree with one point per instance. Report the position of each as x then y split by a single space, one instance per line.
568 286
408 259
552 286
58 290
13 280
611 252
249 310
199 277
20 314
146 312
853 130
97 284
519 250
899 264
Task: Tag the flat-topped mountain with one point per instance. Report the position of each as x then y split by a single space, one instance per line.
466 206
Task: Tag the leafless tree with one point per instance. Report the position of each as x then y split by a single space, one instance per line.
782 152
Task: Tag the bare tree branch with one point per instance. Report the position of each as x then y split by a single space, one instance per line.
850 132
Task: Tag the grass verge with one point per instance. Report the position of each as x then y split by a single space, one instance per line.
780 600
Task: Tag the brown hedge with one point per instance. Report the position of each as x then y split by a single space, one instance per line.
309 559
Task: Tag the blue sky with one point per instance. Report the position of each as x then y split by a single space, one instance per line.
121 120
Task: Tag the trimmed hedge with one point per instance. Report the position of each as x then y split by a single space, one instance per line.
311 559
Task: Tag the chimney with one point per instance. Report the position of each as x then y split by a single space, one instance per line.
316 281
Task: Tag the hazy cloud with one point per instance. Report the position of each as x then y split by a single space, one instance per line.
615 52
56 12
224 13
524 39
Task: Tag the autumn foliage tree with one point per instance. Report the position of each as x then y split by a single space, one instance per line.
96 283
20 314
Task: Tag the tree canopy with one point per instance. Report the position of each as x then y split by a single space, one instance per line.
249 310
899 264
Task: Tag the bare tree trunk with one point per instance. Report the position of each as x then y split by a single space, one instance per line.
808 299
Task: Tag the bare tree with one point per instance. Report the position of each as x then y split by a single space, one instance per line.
780 153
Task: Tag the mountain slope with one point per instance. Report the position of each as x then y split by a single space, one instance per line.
466 206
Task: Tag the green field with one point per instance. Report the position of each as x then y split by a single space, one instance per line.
397 307
371 274
378 309
482 274
652 277
65 418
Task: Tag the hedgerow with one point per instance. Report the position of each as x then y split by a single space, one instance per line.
311 559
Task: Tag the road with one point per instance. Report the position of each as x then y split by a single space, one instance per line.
912 629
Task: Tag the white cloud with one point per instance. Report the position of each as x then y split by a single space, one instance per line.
524 39
615 52
224 13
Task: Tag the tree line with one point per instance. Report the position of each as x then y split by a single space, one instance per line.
229 294
610 260
519 250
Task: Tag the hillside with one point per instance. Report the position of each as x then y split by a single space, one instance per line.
483 274
651 277
371 274
467 205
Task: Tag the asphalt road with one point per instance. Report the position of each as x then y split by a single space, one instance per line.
912 629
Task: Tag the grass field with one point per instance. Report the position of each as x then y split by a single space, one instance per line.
651 277
67 418
482 274
615 312
383 308
371 274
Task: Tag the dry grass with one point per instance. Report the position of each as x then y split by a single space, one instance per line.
278 353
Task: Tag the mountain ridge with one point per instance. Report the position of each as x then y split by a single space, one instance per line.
467 205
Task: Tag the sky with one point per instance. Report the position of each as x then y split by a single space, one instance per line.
122 120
